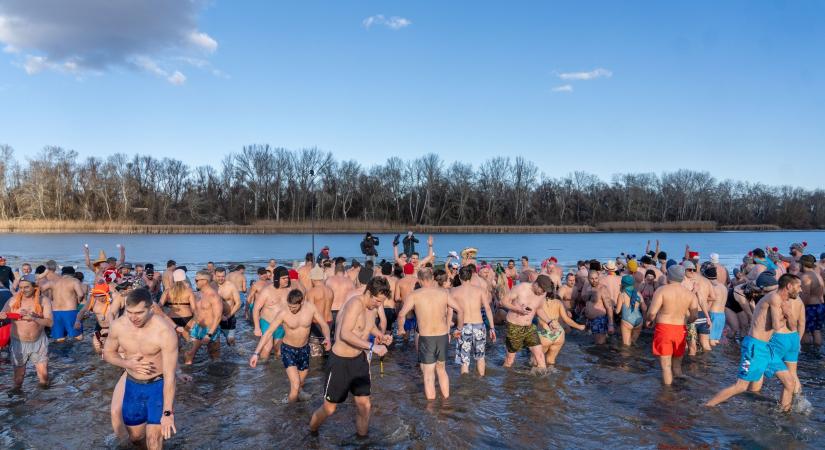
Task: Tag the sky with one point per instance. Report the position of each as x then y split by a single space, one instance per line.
735 88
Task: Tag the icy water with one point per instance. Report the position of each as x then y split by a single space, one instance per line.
596 396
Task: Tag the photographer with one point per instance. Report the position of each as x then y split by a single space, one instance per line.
368 247
409 244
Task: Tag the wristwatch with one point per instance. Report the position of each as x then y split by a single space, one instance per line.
167 413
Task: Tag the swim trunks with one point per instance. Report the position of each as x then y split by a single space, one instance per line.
35 352
814 317
598 325
181 321
520 336
64 324
143 401
757 361
391 315
472 343
347 376
411 324
227 327
278 334
702 323
554 333
669 340
785 347
432 349
199 332
718 326
295 356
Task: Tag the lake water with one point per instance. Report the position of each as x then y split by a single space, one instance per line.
596 397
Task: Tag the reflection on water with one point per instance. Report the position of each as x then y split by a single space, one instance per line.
595 396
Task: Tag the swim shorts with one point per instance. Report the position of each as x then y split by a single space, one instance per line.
669 340
814 317
598 325
702 323
227 327
64 324
785 347
391 315
35 352
295 356
473 342
143 401
199 332
432 349
347 376
757 361
278 334
718 325
520 336
411 324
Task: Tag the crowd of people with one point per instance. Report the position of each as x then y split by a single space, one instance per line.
347 312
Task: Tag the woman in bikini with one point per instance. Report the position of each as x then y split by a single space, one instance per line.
181 302
552 334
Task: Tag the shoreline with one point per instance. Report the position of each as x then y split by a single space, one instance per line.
327 227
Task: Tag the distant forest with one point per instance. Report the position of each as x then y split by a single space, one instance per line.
262 182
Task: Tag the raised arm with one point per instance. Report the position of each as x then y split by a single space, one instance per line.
88 258
122 259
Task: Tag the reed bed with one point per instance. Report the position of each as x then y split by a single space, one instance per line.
272 227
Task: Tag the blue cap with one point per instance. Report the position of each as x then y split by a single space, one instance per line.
766 279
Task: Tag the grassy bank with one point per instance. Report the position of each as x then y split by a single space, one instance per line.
271 227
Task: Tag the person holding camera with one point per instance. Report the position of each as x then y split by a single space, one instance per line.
368 247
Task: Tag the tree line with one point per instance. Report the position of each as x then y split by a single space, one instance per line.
262 182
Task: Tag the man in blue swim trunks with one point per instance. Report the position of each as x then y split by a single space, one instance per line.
813 288
296 318
268 303
149 346
773 313
66 294
208 310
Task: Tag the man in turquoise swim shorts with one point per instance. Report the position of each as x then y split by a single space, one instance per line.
757 359
268 303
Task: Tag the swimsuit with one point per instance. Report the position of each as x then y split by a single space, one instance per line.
732 304
785 347
598 325
227 327
279 332
520 336
669 340
632 315
553 333
347 376
143 401
757 360
391 315
295 356
64 324
432 349
814 317
35 352
718 325
473 342
702 323
181 321
199 332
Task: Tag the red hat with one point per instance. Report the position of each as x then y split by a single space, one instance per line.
693 255
293 274
409 269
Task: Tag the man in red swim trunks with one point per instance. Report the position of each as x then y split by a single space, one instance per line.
672 303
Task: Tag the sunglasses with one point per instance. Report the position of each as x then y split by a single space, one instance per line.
200 279
691 270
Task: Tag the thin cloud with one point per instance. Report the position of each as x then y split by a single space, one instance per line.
93 36
563 88
581 76
393 23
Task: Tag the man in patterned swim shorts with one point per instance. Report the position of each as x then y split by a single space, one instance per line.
525 302
296 319
473 340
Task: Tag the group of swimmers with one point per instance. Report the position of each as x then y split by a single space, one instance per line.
324 307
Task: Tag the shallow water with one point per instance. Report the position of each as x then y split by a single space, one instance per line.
596 396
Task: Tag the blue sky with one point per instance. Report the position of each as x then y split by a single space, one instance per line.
734 88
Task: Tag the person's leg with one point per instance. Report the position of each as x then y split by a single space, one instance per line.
321 414
553 351
116 409
294 383
154 437
818 338
792 369
737 388
277 347
626 332
19 373
634 335
732 321
667 373
539 356
787 389
137 434
600 339
704 339
756 386
189 356
42 369
265 350
676 366
428 373
362 415
509 359
481 366
443 379
214 347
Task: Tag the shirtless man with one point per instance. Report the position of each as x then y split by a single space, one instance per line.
673 306
527 274
348 367
340 284
812 291
296 319
66 294
703 290
166 279
611 282
390 306
208 310
598 309
647 263
264 279
524 302
566 292
321 297
304 271
415 258
403 289
473 339
30 314
773 313
152 281
100 300
237 278
231 300
511 273
268 303
150 356
717 308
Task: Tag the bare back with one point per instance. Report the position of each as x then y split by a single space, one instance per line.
430 305
674 304
471 299
340 286
321 296
67 292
